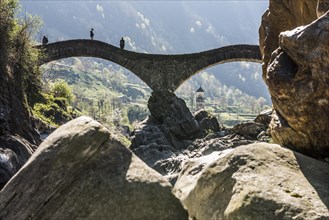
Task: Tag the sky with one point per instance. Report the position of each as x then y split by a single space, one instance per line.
162 23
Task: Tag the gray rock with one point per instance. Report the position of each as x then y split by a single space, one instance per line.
257 181
81 171
172 112
161 140
42 127
150 144
249 130
171 166
206 121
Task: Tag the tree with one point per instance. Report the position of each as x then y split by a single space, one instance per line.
61 89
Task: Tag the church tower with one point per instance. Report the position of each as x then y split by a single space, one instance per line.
200 99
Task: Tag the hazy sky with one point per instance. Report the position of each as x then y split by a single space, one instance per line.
168 22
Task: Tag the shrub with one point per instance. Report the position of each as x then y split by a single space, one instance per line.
61 89
53 110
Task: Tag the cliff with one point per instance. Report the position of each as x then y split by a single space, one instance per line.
18 83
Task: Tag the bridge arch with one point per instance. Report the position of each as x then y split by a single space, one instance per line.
159 72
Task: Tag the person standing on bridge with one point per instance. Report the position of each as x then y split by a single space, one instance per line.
122 43
44 40
92 33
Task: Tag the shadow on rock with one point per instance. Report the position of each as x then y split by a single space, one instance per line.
317 174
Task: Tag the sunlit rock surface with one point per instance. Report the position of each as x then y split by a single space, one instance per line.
81 171
255 182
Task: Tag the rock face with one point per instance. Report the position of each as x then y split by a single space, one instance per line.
162 140
14 152
298 81
258 181
17 85
18 138
264 117
282 16
150 143
82 172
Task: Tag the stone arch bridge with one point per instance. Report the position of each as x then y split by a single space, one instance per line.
159 72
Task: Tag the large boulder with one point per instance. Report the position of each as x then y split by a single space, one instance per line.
298 81
282 16
81 171
257 181
171 111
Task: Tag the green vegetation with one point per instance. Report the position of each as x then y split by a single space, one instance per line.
54 110
18 57
101 91
62 90
19 60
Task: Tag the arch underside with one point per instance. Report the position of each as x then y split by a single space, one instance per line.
181 81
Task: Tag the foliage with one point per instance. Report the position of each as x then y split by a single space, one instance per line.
18 56
102 93
53 110
61 89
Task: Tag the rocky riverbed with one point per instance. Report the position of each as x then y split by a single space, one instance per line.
83 171
185 166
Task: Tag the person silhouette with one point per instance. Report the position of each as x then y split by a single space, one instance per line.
92 33
44 40
122 43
